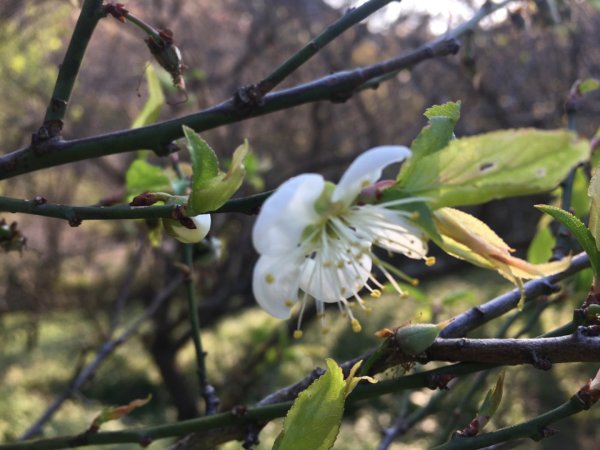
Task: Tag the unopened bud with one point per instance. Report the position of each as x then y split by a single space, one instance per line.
183 231
415 339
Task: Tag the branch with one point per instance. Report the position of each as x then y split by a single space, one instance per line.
88 19
335 87
352 17
477 316
76 214
535 429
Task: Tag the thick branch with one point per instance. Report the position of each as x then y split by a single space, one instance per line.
335 87
477 316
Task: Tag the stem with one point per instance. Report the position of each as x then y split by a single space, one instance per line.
207 391
88 19
350 18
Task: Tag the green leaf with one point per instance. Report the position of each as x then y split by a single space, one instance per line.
205 164
594 193
450 110
580 201
494 165
491 402
435 135
145 177
314 419
588 85
578 229
540 249
156 99
212 194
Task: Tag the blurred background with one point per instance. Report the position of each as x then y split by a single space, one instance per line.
71 289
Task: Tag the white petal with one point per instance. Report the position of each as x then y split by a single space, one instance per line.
285 214
330 284
366 169
189 235
391 230
275 284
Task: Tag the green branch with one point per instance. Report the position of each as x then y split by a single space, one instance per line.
334 87
91 13
535 429
352 17
76 214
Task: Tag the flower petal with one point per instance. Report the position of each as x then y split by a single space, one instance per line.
366 169
285 214
275 284
389 229
330 283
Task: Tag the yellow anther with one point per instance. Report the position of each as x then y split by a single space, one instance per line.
404 294
340 264
414 282
289 303
356 327
368 310
269 278
376 293
297 334
327 264
430 261
415 215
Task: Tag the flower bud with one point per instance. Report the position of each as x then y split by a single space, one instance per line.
193 230
415 339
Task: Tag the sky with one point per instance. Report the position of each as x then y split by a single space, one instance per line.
445 13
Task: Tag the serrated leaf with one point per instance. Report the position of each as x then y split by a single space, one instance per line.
449 109
213 194
145 177
494 165
205 164
579 231
435 135
151 110
314 419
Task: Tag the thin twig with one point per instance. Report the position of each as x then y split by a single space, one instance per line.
69 68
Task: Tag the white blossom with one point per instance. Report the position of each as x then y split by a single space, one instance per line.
315 241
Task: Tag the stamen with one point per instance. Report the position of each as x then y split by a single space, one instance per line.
297 334
356 327
430 261
269 278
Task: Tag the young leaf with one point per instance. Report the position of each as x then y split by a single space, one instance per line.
314 419
212 194
435 135
205 165
488 409
578 229
153 105
116 412
145 177
494 165
594 194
